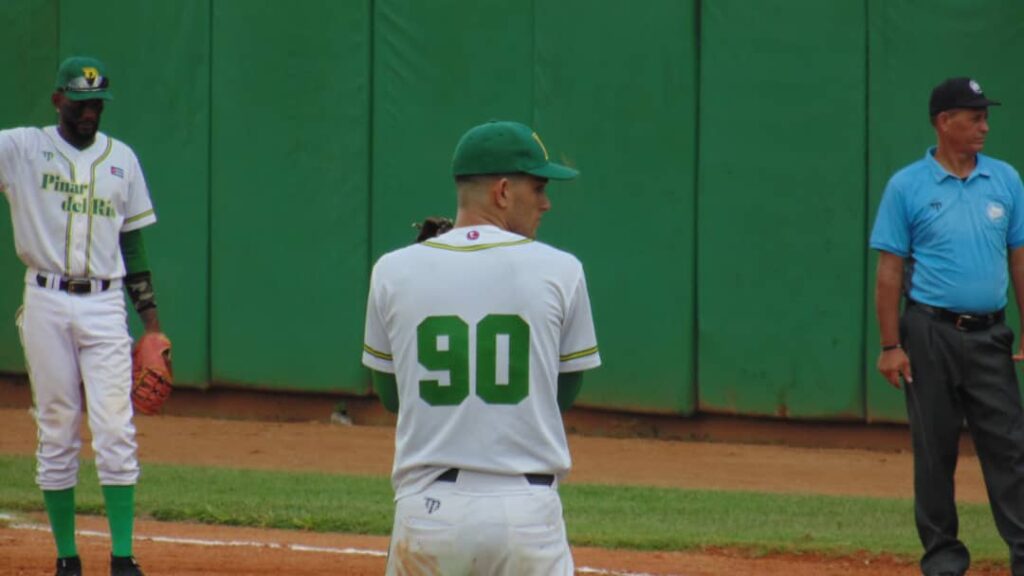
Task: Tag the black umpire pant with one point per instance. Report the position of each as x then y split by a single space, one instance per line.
961 374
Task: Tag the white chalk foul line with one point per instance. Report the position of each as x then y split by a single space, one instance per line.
588 570
219 543
275 546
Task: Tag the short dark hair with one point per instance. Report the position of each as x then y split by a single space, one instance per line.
475 178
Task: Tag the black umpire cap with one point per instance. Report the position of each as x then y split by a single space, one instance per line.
960 92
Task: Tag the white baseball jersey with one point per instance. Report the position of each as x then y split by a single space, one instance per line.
476 324
68 206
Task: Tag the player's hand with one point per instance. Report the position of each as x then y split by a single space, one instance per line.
893 364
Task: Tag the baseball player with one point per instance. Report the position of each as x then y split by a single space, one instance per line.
477 338
78 202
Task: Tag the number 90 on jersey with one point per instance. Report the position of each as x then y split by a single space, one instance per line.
502 349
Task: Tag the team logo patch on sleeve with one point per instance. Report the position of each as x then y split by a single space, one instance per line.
117 172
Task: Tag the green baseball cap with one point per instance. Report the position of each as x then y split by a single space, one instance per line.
502 147
83 78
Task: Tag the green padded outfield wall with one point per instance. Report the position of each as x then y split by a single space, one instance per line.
615 94
733 155
442 67
780 270
28 56
290 193
157 55
914 45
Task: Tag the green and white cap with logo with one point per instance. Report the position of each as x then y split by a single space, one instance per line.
502 147
83 78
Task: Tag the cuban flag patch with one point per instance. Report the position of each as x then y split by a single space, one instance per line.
117 172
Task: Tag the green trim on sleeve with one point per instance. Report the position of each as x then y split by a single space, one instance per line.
577 355
377 353
138 217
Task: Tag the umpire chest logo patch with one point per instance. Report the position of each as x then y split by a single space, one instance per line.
995 211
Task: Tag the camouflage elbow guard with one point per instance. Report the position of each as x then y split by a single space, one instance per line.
140 290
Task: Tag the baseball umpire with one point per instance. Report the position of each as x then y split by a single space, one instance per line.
945 229
477 338
78 203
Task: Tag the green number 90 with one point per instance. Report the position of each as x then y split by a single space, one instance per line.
442 344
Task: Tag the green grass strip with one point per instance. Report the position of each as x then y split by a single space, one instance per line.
606 516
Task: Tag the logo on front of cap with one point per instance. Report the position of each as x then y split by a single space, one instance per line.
975 87
91 74
542 147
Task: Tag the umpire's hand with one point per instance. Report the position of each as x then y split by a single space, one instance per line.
893 364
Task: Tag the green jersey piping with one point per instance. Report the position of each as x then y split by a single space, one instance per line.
377 353
71 215
578 355
478 247
88 204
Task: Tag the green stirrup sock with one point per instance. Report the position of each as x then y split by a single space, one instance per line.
120 501
60 507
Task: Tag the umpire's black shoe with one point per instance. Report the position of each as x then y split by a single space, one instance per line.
124 566
69 566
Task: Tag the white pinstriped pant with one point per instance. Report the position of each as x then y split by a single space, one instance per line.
68 339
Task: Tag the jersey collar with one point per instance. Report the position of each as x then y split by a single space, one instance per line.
479 237
99 144
982 167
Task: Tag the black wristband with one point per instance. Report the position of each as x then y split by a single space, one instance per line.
891 347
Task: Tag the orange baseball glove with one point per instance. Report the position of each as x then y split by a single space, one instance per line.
151 372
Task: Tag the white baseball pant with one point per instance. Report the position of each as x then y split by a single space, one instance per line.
68 339
481 524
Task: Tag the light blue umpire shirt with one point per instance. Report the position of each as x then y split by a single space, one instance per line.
955 234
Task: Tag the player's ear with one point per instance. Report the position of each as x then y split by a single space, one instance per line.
500 192
57 98
942 120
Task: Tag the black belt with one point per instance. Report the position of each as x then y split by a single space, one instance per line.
962 322
452 474
74 285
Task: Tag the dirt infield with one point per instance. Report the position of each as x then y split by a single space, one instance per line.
186 549
220 551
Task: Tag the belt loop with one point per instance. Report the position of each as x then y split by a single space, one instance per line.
70 285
